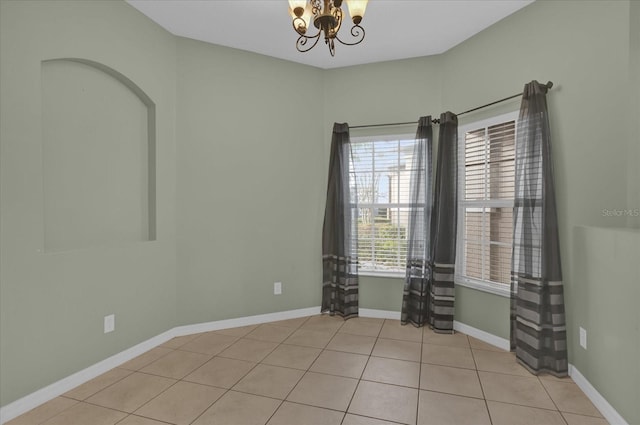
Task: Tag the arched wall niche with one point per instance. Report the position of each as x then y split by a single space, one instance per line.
99 156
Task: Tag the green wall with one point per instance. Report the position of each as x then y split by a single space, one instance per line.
52 304
250 161
609 273
585 49
242 152
111 202
590 51
385 92
634 114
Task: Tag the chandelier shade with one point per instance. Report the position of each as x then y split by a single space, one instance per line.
326 16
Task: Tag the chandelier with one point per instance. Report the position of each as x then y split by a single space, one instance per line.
326 16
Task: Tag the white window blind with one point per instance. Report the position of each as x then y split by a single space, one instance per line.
485 205
380 178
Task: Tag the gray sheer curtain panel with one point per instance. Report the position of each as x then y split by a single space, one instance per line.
538 333
429 292
444 221
339 232
415 297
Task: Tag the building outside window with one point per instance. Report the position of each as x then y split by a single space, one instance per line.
485 203
381 173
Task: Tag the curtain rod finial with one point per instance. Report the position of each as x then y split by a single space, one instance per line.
549 84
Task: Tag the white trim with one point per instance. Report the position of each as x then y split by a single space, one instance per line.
379 314
477 205
480 285
379 273
35 399
400 148
492 339
607 410
245 321
463 205
381 205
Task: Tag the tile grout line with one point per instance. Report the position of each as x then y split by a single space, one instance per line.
146 364
550 398
362 373
420 373
299 379
85 401
177 380
557 409
347 352
140 416
222 395
540 381
51 417
101 389
484 396
259 363
243 376
227 390
305 371
158 395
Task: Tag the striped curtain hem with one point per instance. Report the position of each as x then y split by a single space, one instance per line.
442 298
539 335
340 286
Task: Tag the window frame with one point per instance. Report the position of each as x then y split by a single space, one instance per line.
373 139
489 286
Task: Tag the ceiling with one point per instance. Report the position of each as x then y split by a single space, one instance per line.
395 29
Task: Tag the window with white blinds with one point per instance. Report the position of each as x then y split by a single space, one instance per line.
380 175
485 203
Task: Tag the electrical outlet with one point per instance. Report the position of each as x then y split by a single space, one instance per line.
109 323
583 338
277 288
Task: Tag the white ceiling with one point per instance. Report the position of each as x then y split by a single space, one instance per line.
395 29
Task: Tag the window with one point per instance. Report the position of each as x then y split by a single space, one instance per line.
381 176
485 203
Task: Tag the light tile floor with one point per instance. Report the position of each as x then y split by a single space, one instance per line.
320 370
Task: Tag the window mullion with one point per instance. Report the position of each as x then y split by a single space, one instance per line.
372 232
374 236
484 209
398 244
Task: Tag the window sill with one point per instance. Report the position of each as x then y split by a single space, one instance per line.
490 287
392 275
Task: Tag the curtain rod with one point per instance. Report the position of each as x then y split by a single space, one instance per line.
437 120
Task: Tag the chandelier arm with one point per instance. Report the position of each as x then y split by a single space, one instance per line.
302 42
299 25
357 32
316 7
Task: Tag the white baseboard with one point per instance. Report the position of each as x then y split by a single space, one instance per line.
492 339
245 321
379 314
460 327
33 400
607 410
